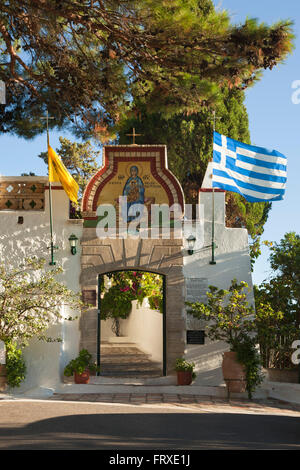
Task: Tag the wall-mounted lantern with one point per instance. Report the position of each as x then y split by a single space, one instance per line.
73 243
191 244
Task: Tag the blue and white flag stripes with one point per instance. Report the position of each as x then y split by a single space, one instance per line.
255 173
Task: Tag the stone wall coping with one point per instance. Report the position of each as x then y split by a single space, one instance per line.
75 221
135 146
24 179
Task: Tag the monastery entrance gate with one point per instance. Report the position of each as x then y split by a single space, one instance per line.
140 174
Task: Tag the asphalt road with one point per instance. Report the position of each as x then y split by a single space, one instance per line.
46 425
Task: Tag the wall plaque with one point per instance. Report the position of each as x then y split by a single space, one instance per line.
196 289
195 336
89 297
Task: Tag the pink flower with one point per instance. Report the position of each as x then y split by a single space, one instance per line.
124 289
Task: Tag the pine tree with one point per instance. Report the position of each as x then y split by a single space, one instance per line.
189 146
88 61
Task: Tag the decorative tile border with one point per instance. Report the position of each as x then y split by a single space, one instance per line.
22 195
156 155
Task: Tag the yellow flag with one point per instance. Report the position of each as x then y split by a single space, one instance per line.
59 173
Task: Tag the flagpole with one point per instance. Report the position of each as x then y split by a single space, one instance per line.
52 262
213 208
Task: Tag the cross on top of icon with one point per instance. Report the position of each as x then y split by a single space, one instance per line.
133 135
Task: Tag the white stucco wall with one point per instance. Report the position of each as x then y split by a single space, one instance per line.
45 361
232 251
143 327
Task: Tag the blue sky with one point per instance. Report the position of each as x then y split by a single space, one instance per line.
274 119
274 123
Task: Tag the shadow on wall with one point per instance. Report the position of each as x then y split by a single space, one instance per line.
44 361
17 244
235 264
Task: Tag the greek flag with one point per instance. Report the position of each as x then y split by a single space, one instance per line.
255 173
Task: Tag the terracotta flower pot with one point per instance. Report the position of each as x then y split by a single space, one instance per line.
83 378
233 373
184 377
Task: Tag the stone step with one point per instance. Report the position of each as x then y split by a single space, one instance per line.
124 363
117 345
132 373
127 360
129 366
123 353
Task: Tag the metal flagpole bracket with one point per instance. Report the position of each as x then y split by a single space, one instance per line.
52 247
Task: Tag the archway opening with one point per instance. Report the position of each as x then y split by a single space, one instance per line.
131 324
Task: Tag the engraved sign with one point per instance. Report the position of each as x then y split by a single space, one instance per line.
196 289
2 93
195 336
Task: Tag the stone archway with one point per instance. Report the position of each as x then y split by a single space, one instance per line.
161 256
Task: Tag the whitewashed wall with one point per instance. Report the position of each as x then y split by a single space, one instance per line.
143 327
232 261
45 361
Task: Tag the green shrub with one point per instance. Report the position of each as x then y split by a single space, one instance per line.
248 355
15 365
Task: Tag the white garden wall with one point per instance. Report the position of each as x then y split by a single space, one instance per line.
232 261
45 361
143 327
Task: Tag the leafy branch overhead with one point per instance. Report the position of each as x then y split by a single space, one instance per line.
88 61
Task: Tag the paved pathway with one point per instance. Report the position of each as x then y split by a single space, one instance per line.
269 406
120 423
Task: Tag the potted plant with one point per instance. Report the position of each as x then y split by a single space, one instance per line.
230 319
81 367
185 371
